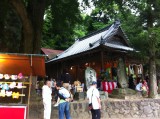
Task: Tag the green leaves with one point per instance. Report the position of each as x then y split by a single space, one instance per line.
154 40
61 22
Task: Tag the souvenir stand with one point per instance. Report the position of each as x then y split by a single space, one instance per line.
16 71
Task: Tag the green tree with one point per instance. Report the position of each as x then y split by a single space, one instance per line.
61 21
149 11
62 15
31 23
140 20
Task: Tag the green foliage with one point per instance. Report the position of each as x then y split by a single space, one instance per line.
12 32
61 24
154 40
79 31
48 40
3 12
136 17
10 37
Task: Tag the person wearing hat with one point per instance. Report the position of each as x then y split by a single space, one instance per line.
94 97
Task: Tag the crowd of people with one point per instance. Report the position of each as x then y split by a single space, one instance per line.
63 94
62 97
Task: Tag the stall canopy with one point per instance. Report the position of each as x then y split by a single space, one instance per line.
27 64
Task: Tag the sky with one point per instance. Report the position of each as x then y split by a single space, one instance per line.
87 10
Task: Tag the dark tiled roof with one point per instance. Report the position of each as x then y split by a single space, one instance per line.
94 40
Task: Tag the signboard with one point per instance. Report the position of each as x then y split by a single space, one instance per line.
90 76
13 112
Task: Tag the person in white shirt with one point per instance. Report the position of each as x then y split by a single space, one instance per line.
47 97
94 98
139 86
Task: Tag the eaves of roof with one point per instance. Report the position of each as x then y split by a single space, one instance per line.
93 41
97 49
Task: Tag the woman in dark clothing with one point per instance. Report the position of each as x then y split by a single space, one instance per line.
131 82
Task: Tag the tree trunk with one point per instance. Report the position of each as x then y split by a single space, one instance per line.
152 68
152 79
36 11
32 21
152 64
27 30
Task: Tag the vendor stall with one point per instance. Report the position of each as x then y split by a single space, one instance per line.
16 71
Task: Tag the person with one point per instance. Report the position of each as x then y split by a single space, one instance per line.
55 93
65 94
37 87
139 86
145 89
63 107
94 98
65 79
82 86
53 83
99 83
47 97
131 82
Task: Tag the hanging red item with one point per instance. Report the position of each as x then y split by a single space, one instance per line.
108 86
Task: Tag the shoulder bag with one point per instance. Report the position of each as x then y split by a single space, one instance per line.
90 104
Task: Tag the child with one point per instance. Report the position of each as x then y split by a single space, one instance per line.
145 89
64 93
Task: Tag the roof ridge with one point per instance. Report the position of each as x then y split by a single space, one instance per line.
94 33
111 30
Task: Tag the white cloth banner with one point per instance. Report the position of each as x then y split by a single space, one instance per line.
90 76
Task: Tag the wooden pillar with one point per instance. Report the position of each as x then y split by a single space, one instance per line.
62 67
30 84
29 95
102 60
77 76
58 70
